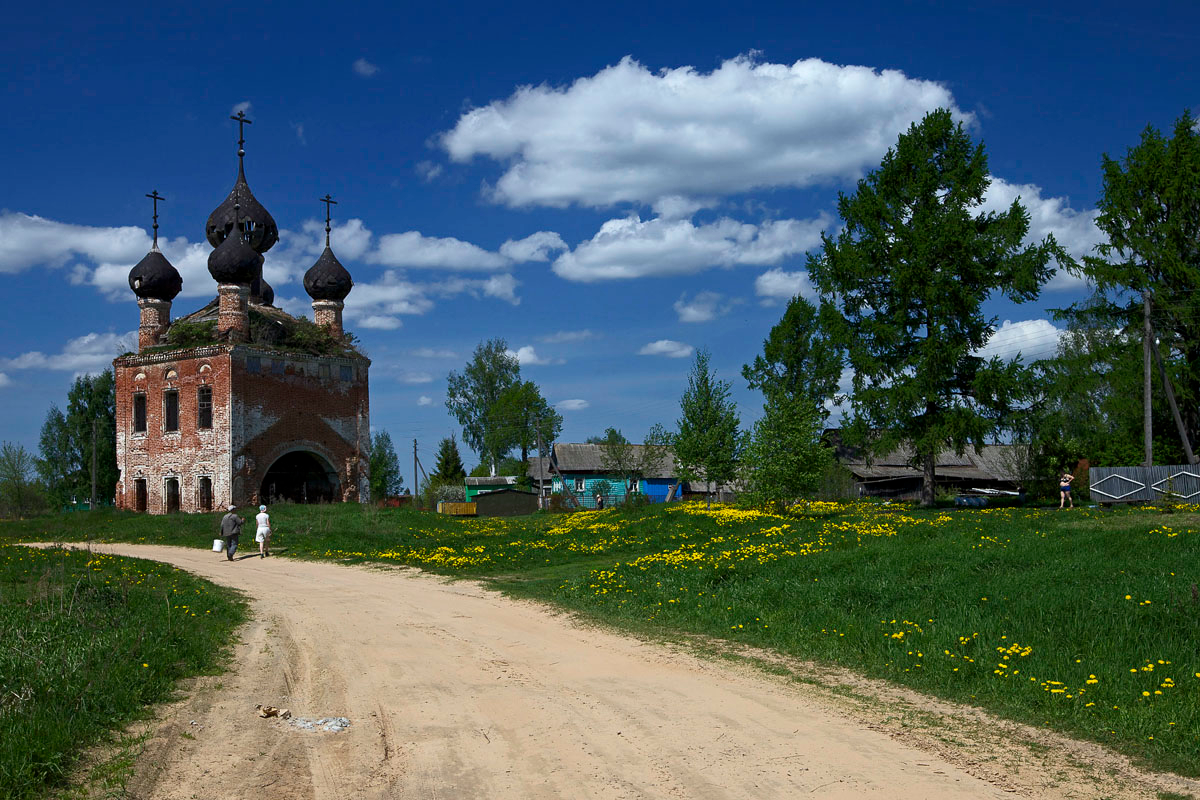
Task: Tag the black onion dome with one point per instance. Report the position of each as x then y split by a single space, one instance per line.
261 291
154 278
327 279
263 233
233 262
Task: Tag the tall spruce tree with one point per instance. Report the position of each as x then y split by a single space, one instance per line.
904 283
449 467
707 444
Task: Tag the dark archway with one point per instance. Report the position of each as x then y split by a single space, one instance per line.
300 477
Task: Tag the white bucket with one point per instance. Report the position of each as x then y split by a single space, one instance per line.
218 545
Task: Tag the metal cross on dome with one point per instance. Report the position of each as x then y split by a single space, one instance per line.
155 196
329 203
240 119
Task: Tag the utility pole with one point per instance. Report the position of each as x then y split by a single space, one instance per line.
539 462
92 503
416 481
1147 424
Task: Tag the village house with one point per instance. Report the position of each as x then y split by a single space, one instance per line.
240 402
582 470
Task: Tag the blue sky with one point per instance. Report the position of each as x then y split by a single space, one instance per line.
607 188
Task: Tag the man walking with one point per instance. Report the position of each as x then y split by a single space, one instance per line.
231 529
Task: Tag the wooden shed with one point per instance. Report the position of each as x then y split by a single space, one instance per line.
505 503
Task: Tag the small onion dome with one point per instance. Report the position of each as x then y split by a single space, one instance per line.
327 279
261 291
154 278
252 218
233 262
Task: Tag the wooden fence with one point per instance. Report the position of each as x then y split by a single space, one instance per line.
1144 484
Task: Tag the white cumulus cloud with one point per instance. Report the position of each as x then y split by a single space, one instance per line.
528 356
668 348
1075 230
776 284
562 337
90 353
364 68
412 249
632 248
1032 339
424 400
572 405
535 247
4 380
627 134
705 306
380 322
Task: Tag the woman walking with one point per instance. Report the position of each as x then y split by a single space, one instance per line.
1064 490
263 536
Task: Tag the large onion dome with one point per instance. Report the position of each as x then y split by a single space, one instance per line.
252 219
327 279
153 278
234 261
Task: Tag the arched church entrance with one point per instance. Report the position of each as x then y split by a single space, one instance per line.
300 477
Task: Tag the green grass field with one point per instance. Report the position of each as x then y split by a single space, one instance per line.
88 641
1085 621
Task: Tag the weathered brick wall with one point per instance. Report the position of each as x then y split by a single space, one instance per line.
290 402
297 402
187 454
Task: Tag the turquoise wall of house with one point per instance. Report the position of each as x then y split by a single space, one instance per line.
587 497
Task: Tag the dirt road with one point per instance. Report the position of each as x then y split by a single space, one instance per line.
456 692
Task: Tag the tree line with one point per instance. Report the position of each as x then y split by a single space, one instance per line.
898 309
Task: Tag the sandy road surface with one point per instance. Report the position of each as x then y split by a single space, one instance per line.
456 692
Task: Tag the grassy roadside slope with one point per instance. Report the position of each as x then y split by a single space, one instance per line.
1086 622
87 641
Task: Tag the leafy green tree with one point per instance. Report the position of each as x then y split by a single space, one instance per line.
1150 215
619 457
519 415
386 480
633 462
19 492
800 361
784 458
707 444
472 396
449 467
904 283
65 462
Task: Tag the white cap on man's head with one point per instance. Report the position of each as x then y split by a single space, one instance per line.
262 508
233 508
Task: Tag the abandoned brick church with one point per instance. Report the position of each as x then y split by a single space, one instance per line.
240 402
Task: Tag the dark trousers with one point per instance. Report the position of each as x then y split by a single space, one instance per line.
231 545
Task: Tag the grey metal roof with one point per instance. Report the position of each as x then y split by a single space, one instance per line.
496 480
590 458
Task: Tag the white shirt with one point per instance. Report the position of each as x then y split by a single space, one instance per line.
263 519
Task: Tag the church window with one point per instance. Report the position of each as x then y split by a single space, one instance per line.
323 371
171 410
253 364
277 366
139 494
347 372
139 413
204 407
